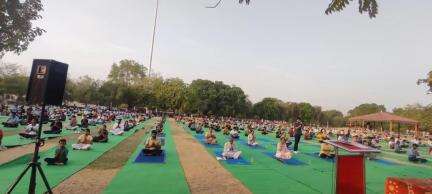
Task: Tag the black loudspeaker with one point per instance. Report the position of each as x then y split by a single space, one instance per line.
47 82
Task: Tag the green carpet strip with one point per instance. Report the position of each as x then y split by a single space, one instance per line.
159 178
78 160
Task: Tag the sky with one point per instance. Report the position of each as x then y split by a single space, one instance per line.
290 50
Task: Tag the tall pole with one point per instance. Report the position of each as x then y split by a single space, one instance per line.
154 33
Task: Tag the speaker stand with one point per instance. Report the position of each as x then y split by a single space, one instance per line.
34 165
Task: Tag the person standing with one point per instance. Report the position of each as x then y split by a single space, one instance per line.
298 129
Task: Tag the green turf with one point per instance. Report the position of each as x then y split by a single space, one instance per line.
266 175
78 159
151 178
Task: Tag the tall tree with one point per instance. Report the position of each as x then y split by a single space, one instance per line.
367 108
16 28
269 108
127 72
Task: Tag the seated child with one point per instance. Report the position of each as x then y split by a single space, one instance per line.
73 124
414 155
60 156
252 138
31 130
230 151
326 151
12 121
102 136
84 141
152 146
282 151
210 137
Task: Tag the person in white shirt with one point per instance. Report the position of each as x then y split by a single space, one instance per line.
252 138
31 130
230 151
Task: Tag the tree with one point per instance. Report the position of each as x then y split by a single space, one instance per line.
364 109
365 6
269 109
427 81
127 72
423 114
13 80
333 118
16 29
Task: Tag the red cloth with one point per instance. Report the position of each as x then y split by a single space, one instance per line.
414 186
1 134
350 175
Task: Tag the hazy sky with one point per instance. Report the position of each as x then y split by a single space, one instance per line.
279 48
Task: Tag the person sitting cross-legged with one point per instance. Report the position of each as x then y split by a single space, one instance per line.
55 128
230 151
73 124
102 135
234 133
152 146
31 130
414 155
252 138
84 141
210 136
326 150
118 128
12 121
60 156
282 152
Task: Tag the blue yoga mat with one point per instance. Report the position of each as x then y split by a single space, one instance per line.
316 155
385 162
240 161
260 147
141 158
202 140
293 161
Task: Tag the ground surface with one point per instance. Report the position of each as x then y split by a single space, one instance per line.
191 167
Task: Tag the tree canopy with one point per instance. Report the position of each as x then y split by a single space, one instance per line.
367 108
16 28
427 81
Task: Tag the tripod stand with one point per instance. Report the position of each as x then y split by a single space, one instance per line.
34 165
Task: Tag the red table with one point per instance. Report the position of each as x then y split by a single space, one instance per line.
350 169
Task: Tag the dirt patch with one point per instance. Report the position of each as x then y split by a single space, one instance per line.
203 172
96 176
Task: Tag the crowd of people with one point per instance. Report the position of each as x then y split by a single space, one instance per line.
55 117
291 133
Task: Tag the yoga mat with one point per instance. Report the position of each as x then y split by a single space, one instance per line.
384 162
292 161
151 178
316 155
78 160
202 140
240 161
141 158
16 140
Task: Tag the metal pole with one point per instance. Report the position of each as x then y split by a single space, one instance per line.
154 33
